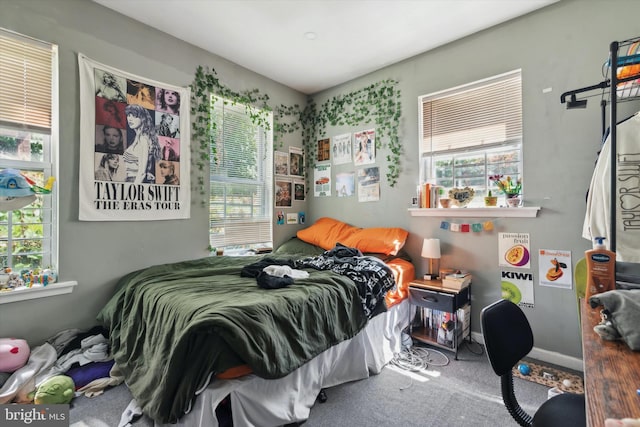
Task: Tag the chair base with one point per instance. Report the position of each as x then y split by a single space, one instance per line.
563 410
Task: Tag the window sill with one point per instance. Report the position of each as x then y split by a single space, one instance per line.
59 288
521 212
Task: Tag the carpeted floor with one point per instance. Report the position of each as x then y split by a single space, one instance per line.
465 392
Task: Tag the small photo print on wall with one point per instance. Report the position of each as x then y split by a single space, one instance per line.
281 163
341 149
322 181
345 184
554 268
369 184
296 162
299 191
514 250
292 218
283 193
301 217
324 150
364 147
280 217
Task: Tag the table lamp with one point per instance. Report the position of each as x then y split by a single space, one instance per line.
431 251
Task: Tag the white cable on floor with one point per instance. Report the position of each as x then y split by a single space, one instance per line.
419 358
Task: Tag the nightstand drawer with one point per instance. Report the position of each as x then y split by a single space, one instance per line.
432 299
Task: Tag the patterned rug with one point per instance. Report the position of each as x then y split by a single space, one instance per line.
551 377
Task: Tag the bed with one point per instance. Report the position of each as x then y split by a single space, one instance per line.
193 332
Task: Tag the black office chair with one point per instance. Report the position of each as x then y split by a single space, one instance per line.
508 338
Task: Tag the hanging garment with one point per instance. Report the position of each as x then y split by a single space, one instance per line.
597 221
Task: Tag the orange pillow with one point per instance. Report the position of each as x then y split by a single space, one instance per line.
381 240
326 232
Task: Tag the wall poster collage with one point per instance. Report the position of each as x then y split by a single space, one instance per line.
134 146
358 148
289 184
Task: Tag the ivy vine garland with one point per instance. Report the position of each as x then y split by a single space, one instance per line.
206 84
377 104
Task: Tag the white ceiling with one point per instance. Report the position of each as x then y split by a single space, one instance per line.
353 37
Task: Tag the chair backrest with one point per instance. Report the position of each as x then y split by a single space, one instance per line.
507 335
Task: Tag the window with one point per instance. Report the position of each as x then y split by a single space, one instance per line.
471 132
28 142
240 207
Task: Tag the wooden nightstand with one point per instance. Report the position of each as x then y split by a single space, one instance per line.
436 306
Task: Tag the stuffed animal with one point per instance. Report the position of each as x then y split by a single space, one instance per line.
55 390
14 354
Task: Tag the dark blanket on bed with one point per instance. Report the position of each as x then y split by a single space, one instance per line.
173 325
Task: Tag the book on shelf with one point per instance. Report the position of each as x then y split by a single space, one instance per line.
456 281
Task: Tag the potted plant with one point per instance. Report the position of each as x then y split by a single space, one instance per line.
490 200
511 189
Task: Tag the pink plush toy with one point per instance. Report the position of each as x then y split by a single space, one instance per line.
14 354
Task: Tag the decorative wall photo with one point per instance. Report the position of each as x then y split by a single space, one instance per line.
283 193
369 184
292 218
299 191
364 147
345 184
324 150
341 149
281 163
131 168
322 181
296 162
555 268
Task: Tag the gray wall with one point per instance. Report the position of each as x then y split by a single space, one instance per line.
561 47
96 254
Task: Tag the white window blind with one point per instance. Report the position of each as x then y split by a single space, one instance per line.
482 114
25 82
241 180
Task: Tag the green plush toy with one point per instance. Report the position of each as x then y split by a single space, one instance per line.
55 390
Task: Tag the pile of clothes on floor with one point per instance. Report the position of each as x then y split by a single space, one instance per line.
69 364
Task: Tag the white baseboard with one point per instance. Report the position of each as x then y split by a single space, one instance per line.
547 356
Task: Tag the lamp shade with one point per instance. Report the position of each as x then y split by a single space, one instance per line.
431 248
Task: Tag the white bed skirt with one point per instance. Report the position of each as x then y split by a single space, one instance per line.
262 403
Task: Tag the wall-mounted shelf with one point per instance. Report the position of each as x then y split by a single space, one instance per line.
37 292
521 212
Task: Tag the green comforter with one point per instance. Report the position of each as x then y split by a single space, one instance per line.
172 325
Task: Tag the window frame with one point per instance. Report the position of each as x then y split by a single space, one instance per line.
262 222
49 163
428 170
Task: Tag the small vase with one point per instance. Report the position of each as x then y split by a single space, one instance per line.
490 200
514 200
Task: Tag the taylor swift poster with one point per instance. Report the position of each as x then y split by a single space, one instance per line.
134 146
